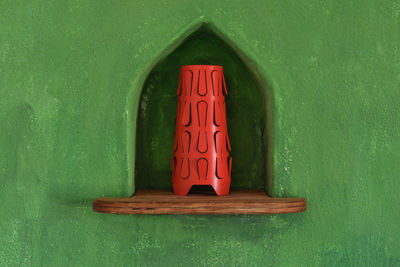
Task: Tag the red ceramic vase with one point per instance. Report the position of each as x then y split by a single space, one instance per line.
201 146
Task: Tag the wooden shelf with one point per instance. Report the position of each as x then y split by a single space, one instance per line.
165 202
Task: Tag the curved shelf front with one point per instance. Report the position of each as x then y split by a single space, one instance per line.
165 202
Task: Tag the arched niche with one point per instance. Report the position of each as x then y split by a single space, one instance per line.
248 113
151 109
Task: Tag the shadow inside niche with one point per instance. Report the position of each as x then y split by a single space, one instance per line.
157 110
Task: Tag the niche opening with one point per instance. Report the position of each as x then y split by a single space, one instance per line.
157 109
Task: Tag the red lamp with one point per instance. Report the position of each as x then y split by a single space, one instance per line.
201 146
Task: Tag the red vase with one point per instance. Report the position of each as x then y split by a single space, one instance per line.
201 146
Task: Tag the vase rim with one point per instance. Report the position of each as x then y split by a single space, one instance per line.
188 66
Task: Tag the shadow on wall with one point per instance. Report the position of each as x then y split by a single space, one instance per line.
249 129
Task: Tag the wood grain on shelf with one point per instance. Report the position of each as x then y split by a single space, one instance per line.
165 202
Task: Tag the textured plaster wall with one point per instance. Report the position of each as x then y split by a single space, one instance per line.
71 74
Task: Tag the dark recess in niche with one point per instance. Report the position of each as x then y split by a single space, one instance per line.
157 109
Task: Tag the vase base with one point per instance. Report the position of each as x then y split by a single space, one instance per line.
221 189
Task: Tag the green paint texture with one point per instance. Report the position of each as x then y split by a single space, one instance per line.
87 97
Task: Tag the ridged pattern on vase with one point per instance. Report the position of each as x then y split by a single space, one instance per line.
201 145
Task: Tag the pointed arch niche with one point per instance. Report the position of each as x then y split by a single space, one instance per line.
249 125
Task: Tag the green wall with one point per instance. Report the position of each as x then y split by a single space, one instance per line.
71 75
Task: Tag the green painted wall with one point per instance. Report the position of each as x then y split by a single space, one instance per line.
71 74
